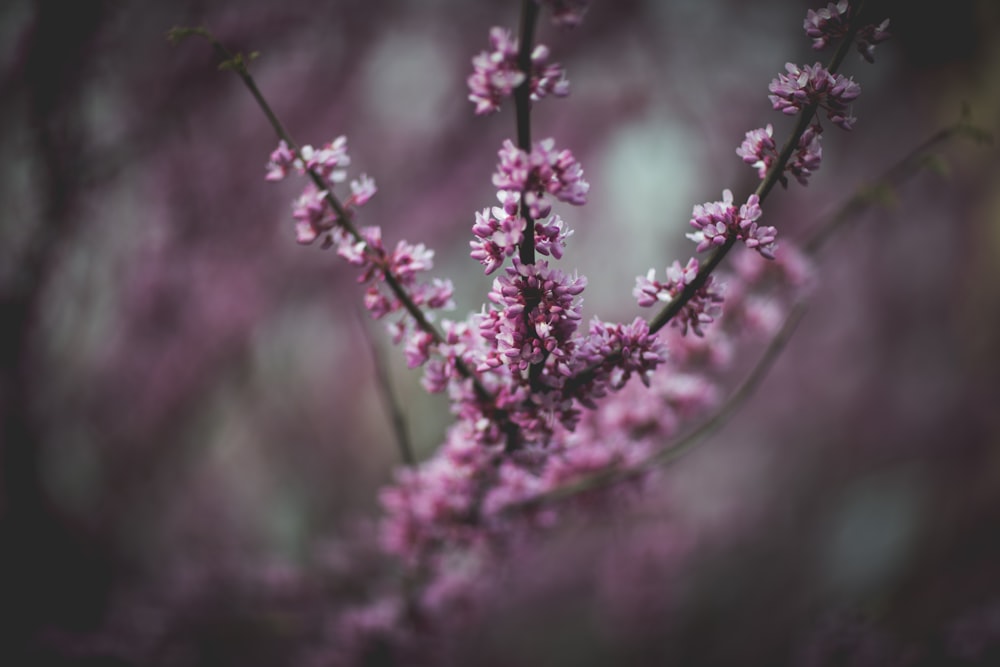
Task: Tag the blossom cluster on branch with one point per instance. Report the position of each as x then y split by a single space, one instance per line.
541 403
495 74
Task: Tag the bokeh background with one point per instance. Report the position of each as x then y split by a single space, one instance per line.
188 398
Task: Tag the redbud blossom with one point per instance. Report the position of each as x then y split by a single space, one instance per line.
281 161
639 351
827 24
808 155
716 221
759 151
803 86
537 313
701 309
834 22
869 36
461 343
496 74
500 230
362 190
328 161
546 171
313 216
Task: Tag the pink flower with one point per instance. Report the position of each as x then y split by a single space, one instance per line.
496 74
758 149
417 348
808 155
408 259
461 341
639 352
328 161
869 36
807 85
754 236
834 21
701 309
536 312
716 221
546 171
550 236
280 163
829 23
498 232
312 215
362 190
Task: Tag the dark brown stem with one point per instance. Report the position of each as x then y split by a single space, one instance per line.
522 94
522 109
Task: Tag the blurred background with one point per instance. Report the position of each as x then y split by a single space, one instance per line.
188 403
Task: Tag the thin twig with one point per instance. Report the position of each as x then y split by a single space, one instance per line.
389 401
892 177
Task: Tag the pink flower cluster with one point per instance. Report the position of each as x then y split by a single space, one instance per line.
827 24
496 74
314 216
869 36
700 309
717 221
813 84
499 231
388 276
535 315
833 22
328 161
544 171
808 155
613 353
404 264
759 151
